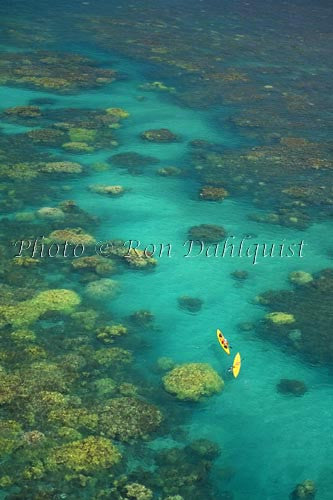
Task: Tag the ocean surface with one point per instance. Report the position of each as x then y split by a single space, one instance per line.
269 441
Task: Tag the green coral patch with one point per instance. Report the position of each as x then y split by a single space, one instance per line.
192 381
86 455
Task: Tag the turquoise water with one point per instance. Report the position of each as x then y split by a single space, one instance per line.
257 428
270 441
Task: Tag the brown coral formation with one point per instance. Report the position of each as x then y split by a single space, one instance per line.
159 135
281 167
307 316
278 104
128 418
61 167
52 71
212 193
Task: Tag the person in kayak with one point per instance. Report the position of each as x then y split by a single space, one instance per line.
224 342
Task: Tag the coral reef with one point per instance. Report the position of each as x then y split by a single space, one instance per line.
308 325
46 137
132 161
191 304
105 386
50 213
51 71
254 171
306 489
112 355
182 472
78 147
280 318
300 277
24 111
27 312
74 236
140 259
204 448
138 491
34 437
87 455
169 171
9 432
159 135
104 288
108 334
207 232
60 167
165 364
56 377
128 418
100 265
117 113
142 318
240 274
212 193
156 86
114 190
294 387
192 381
85 135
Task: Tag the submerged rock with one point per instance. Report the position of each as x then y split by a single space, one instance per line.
289 386
191 304
246 326
240 275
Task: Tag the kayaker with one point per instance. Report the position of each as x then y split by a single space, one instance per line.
226 343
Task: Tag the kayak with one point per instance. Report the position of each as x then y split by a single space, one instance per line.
220 338
236 365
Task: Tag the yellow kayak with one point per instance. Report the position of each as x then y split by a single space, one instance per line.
236 365
221 338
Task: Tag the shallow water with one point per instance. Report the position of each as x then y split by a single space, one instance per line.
271 441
